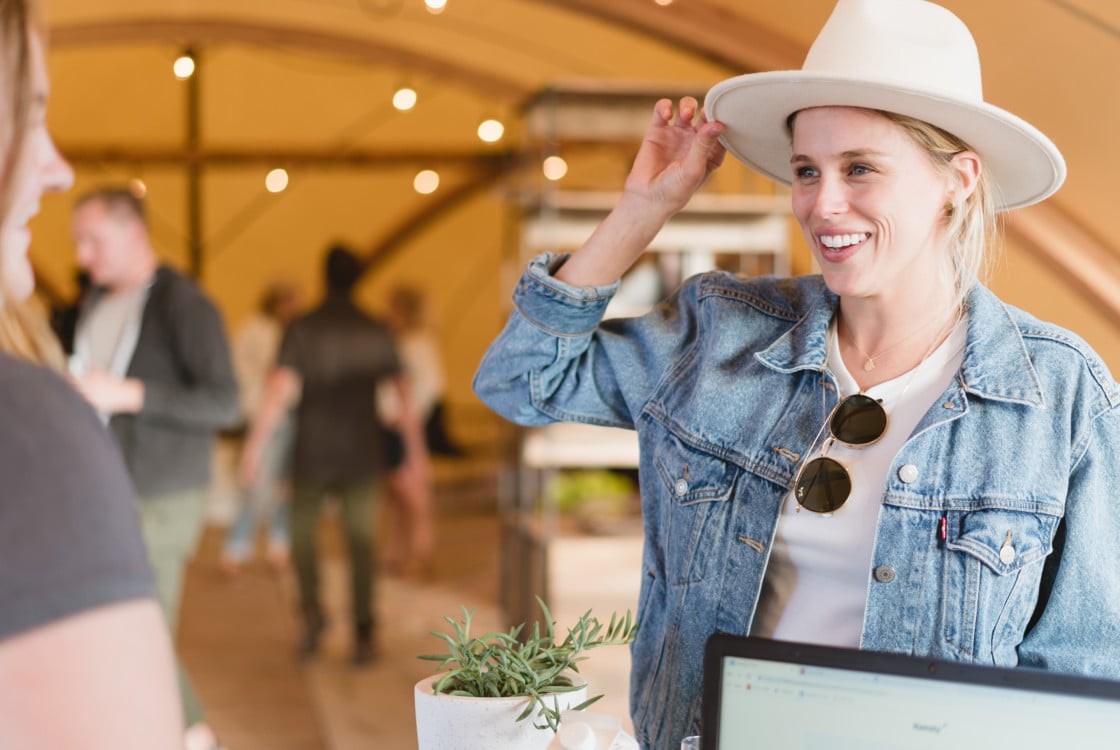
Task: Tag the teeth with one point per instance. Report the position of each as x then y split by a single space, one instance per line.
841 240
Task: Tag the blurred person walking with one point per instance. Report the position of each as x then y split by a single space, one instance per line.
410 492
151 355
332 360
264 503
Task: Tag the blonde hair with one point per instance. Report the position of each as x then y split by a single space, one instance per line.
24 331
973 226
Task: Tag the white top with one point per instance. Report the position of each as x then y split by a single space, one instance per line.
815 589
107 334
422 368
254 355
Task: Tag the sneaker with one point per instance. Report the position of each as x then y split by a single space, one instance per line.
313 625
365 653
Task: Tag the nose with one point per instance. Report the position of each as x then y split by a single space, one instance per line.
831 198
56 172
83 253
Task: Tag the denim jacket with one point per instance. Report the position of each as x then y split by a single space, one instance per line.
998 543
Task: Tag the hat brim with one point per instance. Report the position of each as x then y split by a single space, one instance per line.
1025 165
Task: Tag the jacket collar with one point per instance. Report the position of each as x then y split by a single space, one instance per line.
996 364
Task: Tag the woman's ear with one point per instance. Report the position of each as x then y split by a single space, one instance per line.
966 168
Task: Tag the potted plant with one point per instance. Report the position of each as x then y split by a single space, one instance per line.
500 690
600 501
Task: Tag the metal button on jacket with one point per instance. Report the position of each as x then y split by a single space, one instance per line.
1007 550
681 487
884 574
908 473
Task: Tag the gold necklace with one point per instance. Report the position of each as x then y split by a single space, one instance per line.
869 359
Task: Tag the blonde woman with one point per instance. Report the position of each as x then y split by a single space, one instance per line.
883 455
85 658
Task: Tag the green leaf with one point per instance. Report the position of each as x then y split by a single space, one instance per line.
500 664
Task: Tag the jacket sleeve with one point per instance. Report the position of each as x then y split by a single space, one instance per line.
555 361
204 394
1077 625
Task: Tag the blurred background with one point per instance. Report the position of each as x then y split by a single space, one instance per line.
449 142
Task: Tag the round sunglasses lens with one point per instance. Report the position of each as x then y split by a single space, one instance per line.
823 485
858 420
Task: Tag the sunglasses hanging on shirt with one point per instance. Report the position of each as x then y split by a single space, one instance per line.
823 485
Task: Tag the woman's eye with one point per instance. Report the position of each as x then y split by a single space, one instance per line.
861 169
805 173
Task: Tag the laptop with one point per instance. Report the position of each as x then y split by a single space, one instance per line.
762 694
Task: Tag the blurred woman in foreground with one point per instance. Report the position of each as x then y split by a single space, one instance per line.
85 658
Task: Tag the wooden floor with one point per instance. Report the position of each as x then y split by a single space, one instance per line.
237 636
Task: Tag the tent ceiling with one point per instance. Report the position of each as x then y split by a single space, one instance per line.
308 81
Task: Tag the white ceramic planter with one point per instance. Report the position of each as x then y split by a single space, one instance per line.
450 722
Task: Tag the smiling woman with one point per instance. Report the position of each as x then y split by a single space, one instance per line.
947 494
85 657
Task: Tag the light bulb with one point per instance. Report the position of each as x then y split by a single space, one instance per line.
491 131
426 182
276 181
554 168
183 67
404 99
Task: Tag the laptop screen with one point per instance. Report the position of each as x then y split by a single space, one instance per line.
769 694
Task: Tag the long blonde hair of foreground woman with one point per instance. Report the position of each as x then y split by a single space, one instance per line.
24 331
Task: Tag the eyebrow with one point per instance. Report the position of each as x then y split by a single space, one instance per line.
855 154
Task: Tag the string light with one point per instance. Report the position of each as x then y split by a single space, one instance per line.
137 187
554 168
491 131
404 99
426 182
276 181
435 7
183 67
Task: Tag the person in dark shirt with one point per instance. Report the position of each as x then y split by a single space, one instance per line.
151 356
85 656
332 359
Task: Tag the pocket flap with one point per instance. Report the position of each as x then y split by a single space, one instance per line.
692 475
1003 540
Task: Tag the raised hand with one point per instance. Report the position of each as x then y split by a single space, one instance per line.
675 158
676 155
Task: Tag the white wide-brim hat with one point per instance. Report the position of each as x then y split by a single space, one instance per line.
909 57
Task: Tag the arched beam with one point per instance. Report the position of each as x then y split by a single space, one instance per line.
698 28
202 31
429 213
1072 253
292 157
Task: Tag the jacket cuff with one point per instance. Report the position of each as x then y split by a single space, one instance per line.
551 304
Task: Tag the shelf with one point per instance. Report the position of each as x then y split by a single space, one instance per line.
744 224
572 445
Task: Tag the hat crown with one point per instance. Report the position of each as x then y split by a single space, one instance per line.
918 45
909 57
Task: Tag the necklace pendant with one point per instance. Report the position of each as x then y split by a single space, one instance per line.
869 365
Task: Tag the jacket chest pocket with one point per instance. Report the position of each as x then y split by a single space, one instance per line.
993 566
696 487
